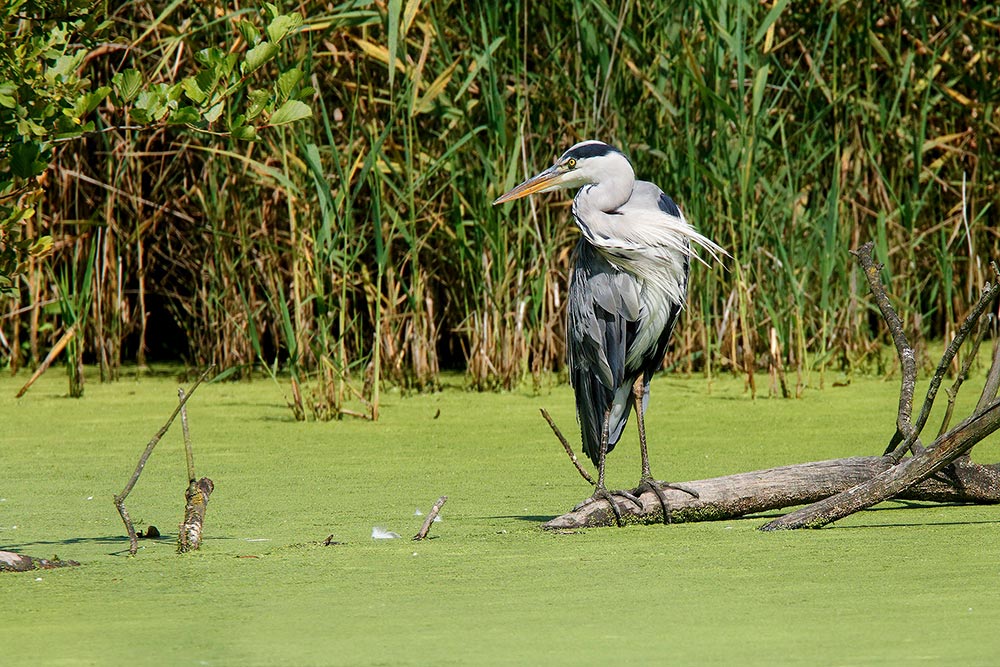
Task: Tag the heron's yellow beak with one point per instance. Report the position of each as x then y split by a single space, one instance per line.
548 179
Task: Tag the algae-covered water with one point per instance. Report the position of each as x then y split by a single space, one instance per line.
901 584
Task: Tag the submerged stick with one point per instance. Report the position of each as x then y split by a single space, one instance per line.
189 532
119 499
569 450
430 518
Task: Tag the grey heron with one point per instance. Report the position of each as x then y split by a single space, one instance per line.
628 287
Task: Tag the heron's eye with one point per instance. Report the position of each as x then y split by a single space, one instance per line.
571 163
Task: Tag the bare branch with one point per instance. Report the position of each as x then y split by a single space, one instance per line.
569 450
992 381
49 358
963 375
188 450
989 293
907 357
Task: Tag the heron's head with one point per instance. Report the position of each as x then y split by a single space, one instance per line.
585 163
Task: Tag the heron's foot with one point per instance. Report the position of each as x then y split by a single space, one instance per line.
602 493
657 487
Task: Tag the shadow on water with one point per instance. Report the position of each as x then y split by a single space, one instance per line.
531 518
891 506
107 539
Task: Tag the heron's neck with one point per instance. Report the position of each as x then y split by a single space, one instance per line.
607 195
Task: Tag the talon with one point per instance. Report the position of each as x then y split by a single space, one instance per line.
654 486
603 494
628 495
679 487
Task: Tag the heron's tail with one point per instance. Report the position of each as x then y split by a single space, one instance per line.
591 398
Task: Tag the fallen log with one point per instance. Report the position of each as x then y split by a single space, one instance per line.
746 493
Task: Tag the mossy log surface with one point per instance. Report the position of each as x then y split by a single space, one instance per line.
775 488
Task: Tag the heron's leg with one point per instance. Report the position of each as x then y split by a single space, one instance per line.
647 481
602 490
638 390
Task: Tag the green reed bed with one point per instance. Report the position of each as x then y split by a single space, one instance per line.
360 246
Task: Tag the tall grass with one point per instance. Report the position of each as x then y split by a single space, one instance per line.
363 248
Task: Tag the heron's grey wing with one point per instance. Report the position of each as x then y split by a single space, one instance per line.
603 314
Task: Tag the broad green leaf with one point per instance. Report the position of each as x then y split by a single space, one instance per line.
226 66
64 67
40 246
257 100
7 93
245 133
213 114
282 25
24 160
86 103
184 115
210 57
127 85
287 82
250 32
193 90
150 105
27 127
289 112
258 55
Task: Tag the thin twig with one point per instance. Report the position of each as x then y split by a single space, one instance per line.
188 450
569 450
963 375
989 293
992 381
120 498
430 518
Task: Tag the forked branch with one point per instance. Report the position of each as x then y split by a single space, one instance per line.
924 462
119 499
